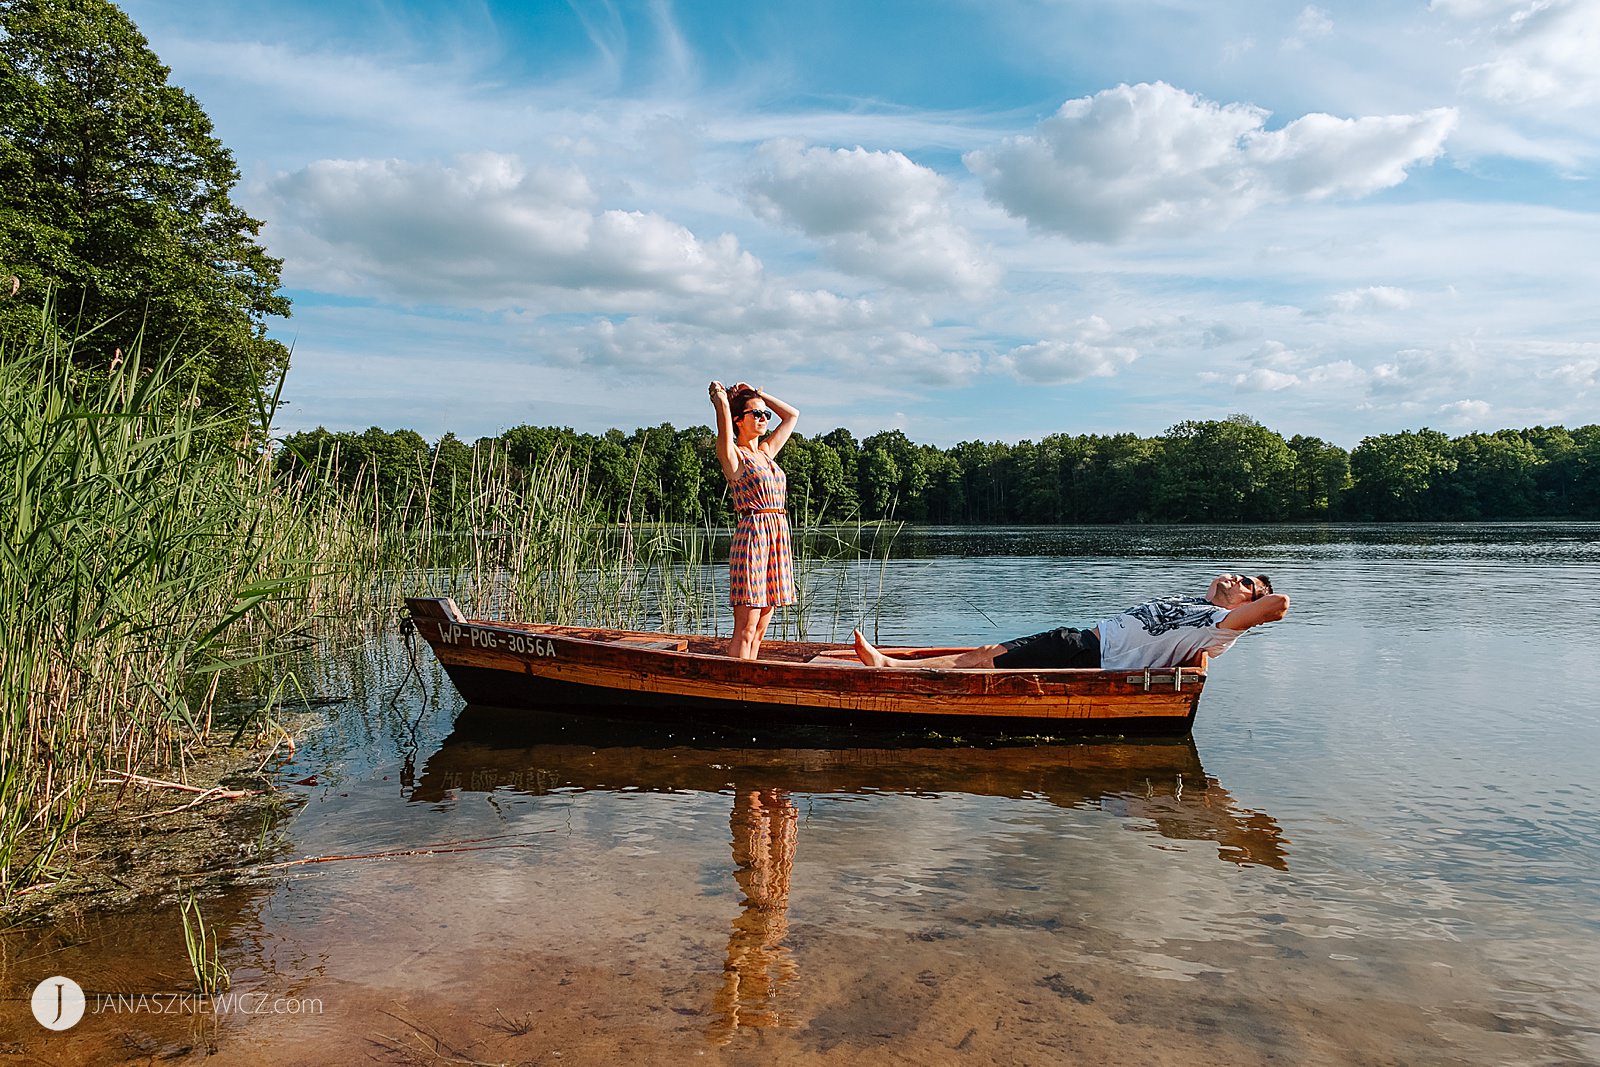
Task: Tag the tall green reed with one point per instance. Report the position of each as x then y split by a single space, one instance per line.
132 541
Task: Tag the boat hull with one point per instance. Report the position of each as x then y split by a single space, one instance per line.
677 677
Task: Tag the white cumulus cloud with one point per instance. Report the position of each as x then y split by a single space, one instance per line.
1546 52
1092 353
486 231
875 213
1465 412
1265 380
1371 298
1340 372
1579 375
1154 158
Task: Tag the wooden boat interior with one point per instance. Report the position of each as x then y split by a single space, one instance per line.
819 653
824 653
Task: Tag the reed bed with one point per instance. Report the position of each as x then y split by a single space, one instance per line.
134 538
153 557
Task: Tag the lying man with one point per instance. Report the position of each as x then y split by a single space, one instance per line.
1158 633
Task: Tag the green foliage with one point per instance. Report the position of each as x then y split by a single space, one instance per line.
1319 479
135 537
1401 476
1232 470
116 201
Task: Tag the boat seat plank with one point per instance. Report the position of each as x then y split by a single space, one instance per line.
668 644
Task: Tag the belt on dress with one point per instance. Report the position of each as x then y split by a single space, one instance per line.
765 511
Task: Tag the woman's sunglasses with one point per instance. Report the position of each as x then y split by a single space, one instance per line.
758 413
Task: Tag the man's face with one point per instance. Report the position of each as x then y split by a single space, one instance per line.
1233 590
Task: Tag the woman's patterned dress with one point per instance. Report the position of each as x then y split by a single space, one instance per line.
761 561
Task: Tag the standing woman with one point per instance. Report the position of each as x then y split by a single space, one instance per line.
760 562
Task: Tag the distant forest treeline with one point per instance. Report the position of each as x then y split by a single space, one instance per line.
1228 471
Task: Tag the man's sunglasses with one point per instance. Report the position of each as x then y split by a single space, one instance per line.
758 413
1250 584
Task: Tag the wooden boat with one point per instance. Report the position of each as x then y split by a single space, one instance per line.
657 675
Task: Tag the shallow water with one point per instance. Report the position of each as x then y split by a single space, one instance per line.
1380 847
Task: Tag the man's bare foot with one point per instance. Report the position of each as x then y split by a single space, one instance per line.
869 655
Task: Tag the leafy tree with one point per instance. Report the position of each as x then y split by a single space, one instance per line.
971 476
1235 470
892 476
843 497
1558 465
1074 459
1397 474
945 500
1321 475
116 200
798 461
986 469
302 453
452 468
880 481
1121 477
1586 472
1496 476
531 447
684 477
611 472
835 498
649 450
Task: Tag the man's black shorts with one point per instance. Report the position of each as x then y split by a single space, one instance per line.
1065 647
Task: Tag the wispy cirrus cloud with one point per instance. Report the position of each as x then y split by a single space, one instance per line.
1312 24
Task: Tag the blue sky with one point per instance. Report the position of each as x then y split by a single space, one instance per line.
993 220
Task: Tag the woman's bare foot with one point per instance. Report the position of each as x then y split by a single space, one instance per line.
869 655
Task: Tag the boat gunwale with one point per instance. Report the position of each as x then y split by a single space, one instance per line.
1192 673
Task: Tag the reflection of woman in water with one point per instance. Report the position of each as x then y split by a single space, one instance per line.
765 826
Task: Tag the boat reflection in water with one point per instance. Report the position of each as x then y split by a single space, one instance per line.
1159 787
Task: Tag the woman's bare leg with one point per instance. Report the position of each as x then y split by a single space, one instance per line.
749 626
761 632
972 659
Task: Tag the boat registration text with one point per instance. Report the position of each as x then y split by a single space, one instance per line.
522 644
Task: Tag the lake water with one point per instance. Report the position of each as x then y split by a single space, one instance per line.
1382 846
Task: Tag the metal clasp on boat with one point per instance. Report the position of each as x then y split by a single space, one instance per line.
1146 678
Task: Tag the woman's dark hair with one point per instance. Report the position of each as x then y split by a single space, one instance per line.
739 400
